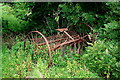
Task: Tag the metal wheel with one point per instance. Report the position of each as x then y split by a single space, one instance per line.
39 42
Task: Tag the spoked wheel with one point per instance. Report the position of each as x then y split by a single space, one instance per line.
32 38
83 30
39 43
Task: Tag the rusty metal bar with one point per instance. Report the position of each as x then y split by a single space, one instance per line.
39 39
68 35
57 41
65 43
49 51
74 36
50 42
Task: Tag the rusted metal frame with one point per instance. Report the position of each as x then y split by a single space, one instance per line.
33 39
71 38
79 47
84 36
67 39
74 36
68 35
50 42
65 43
73 41
54 36
80 40
78 50
50 56
25 39
76 43
68 43
39 39
72 33
62 29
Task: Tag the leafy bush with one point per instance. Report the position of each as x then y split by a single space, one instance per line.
11 21
16 63
65 69
102 59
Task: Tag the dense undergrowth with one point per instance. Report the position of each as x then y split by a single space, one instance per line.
18 63
96 61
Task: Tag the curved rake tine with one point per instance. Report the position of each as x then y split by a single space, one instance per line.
75 47
29 37
36 36
78 50
32 35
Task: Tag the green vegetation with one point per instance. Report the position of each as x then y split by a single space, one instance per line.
18 63
99 59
